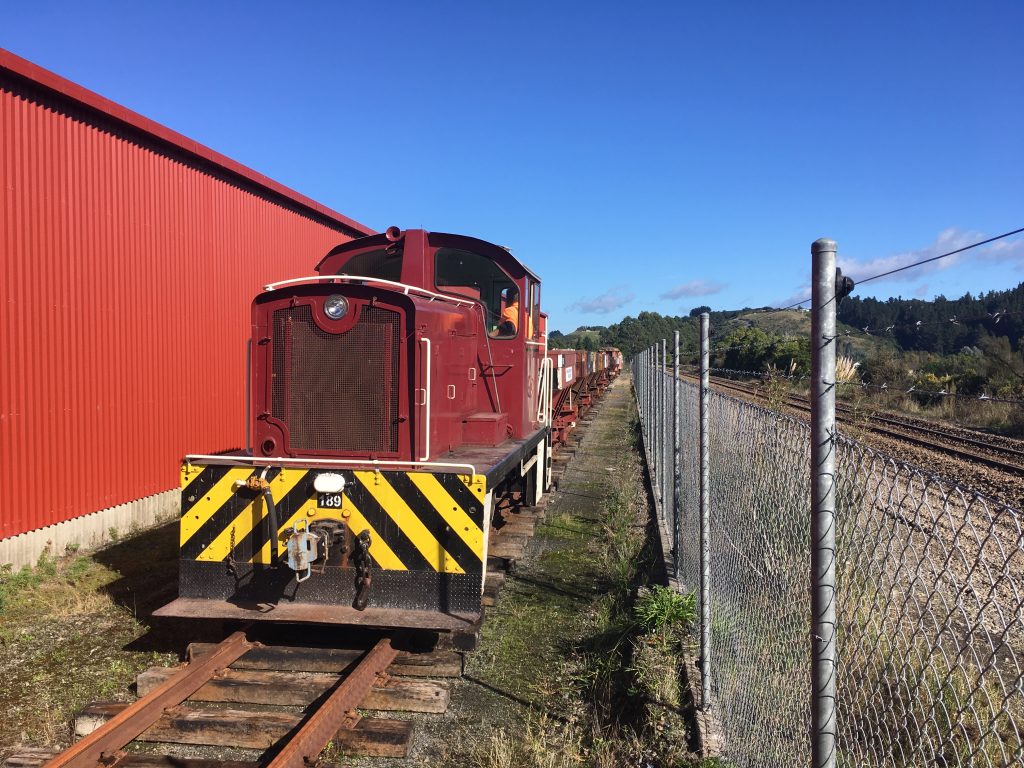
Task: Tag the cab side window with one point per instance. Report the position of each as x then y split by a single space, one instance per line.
470 275
533 316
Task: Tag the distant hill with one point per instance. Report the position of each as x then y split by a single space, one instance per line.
942 326
632 334
584 337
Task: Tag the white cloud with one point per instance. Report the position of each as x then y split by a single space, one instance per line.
950 239
607 302
693 288
804 292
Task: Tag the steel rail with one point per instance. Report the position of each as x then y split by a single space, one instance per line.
795 401
305 746
799 401
949 435
951 450
103 745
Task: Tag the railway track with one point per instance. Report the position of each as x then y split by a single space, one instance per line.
186 706
287 700
966 448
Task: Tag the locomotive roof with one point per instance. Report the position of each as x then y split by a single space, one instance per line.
503 256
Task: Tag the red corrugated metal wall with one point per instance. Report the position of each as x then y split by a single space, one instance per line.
126 281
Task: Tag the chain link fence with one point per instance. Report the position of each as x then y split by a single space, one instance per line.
929 592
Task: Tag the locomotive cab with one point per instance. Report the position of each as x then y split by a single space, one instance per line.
487 367
398 397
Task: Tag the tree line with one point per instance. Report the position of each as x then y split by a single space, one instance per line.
942 326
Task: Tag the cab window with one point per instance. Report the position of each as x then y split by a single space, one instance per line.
470 275
533 318
382 263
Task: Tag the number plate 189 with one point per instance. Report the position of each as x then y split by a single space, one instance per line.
329 500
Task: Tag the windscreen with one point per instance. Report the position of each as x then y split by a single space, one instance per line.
382 263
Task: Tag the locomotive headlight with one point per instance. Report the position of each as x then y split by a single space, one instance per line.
329 482
336 307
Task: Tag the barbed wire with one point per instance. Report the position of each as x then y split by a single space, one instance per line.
917 325
913 390
895 390
891 329
880 275
914 325
695 355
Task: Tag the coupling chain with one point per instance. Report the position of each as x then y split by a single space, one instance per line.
364 576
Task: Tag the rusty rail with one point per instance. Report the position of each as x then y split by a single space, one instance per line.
304 747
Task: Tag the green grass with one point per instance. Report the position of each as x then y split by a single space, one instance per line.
67 627
660 609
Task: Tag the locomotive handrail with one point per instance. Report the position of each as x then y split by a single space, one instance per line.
406 288
426 402
543 396
271 461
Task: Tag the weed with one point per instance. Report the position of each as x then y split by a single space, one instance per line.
947 710
775 386
846 369
13 584
538 745
658 608
112 533
77 569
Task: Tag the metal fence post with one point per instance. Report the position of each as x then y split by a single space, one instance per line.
650 422
647 397
643 388
823 504
650 408
666 469
638 382
677 480
705 522
643 383
656 413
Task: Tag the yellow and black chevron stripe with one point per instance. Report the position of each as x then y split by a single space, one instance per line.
418 521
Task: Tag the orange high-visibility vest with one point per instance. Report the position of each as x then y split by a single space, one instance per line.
511 313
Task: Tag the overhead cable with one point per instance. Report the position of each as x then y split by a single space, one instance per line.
918 263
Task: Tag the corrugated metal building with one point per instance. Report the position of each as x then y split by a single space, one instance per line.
129 257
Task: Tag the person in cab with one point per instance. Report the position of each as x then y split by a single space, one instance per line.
509 325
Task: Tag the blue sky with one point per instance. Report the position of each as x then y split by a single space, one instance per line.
638 156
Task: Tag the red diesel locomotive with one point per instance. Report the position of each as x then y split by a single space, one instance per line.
398 398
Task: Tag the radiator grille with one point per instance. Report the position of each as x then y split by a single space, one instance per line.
337 392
